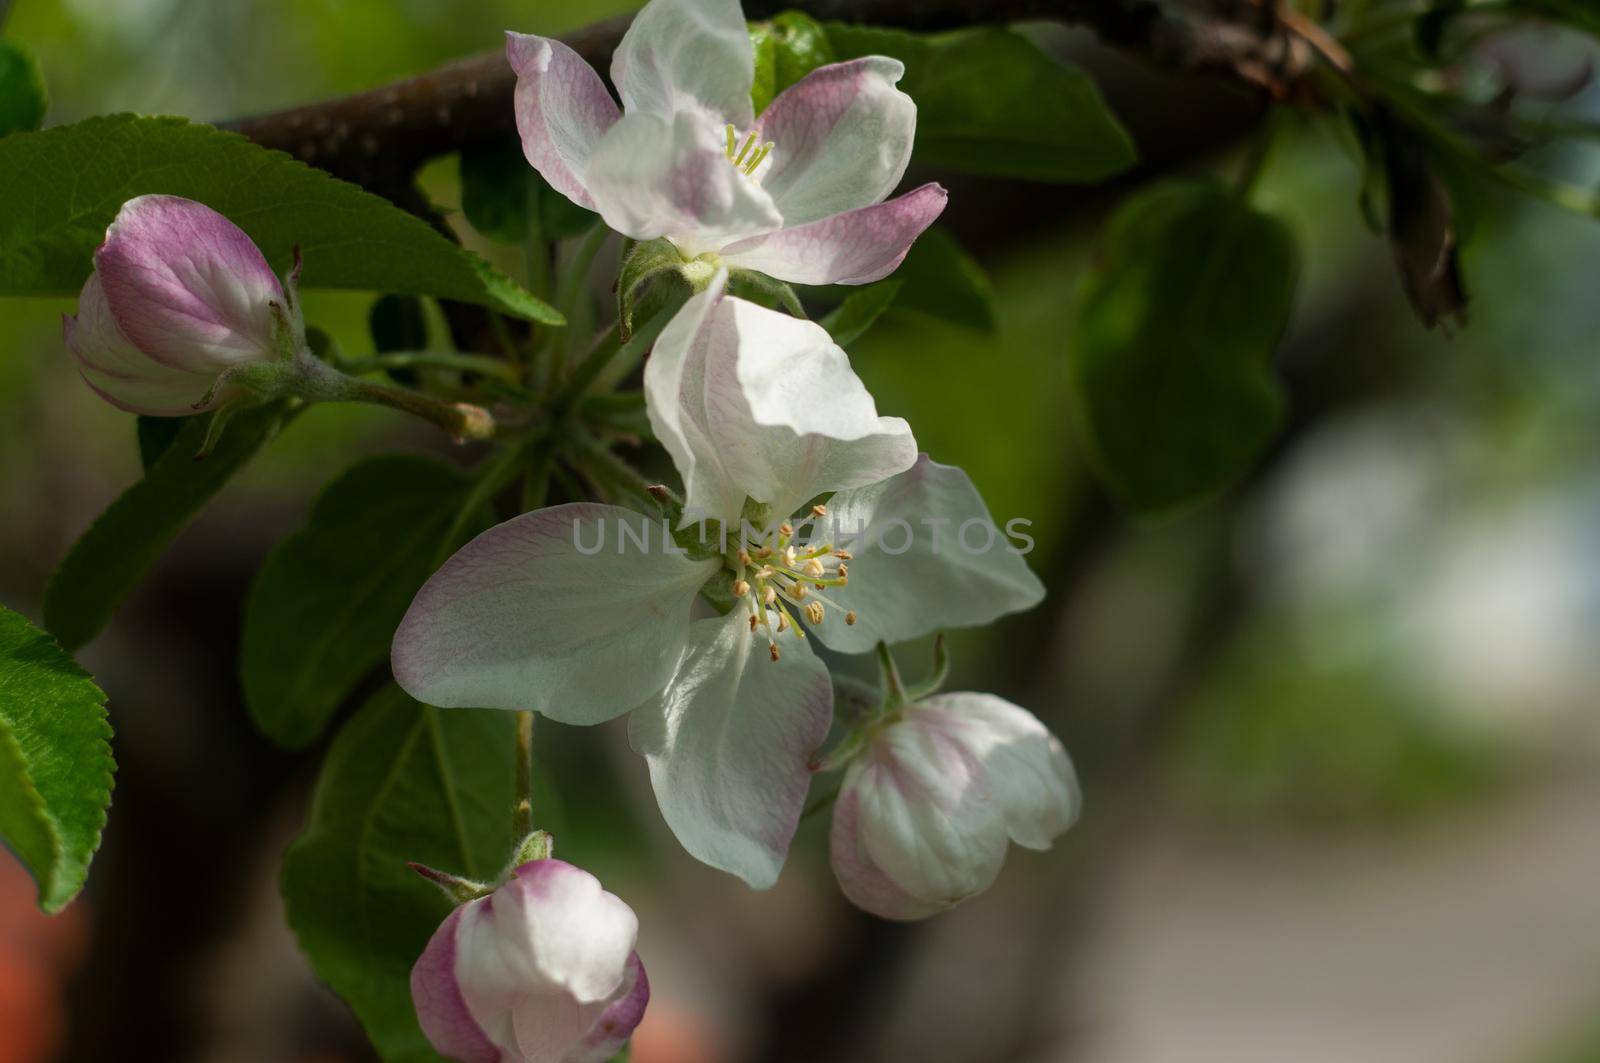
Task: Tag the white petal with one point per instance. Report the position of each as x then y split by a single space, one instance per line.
923 816
562 108
682 51
929 556
676 401
654 175
523 618
1027 767
729 743
841 139
765 406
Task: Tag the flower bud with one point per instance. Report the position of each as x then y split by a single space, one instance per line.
179 297
543 970
925 810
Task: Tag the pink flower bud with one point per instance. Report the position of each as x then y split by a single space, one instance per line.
925 811
543 970
179 296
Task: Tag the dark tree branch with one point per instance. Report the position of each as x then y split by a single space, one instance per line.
379 138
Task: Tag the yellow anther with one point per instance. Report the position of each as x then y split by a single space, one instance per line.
744 558
814 568
786 529
815 612
819 510
769 596
843 555
766 572
763 551
740 588
850 618
788 557
798 591
783 622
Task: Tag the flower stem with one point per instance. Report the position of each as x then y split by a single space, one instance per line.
316 381
522 814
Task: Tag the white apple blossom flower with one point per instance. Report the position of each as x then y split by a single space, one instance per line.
583 612
796 193
925 810
179 297
543 970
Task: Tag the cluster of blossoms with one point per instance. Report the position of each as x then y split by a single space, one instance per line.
704 627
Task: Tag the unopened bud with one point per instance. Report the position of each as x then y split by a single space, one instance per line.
549 951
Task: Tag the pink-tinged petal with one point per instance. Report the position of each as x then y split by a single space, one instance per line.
862 881
729 743
563 109
928 556
544 960
681 52
441 1010
1027 766
841 139
653 176
186 285
119 372
620 1019
856 247
579 612
918 829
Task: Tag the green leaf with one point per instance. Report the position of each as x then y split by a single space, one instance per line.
49 227
1172 360
942 281
22 95
991 101
156 435
111 557
787 48
325 605
502 195
55 760
402 782
860 310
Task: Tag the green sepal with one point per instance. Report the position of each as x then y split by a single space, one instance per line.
645 264
457 889
767 291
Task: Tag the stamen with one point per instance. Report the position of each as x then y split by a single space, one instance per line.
760 157
815 612
773 649
814 568
753 622
850 619
768 596
740 588
819 510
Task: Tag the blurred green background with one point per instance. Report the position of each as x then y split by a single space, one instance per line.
1336 727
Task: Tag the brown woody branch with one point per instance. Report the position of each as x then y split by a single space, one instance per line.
380 137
